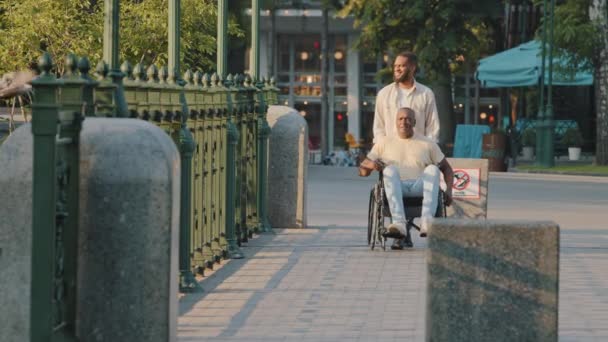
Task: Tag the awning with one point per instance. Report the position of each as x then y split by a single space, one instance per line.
520 67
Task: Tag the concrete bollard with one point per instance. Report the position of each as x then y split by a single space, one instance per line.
128 237
16 235
129 219
492 280
288 164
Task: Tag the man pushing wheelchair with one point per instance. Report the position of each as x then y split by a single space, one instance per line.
410 164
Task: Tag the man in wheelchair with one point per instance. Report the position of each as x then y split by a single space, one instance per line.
410 164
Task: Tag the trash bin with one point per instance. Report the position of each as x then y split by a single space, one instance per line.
493 149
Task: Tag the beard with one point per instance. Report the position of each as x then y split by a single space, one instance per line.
405 76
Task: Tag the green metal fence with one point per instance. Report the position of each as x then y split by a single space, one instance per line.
57 115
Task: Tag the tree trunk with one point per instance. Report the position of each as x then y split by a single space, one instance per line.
442 88
324 74
598 12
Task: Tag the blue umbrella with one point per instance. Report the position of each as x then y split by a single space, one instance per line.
521 65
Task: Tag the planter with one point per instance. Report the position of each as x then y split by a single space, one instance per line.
574 153
493 148
528 152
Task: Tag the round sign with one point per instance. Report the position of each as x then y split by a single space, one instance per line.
461 180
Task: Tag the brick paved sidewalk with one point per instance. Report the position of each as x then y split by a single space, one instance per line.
324 284
311 285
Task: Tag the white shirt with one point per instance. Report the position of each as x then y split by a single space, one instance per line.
420 98
410 156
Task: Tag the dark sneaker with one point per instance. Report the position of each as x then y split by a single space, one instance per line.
407 241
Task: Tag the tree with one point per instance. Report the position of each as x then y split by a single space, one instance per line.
440 32
32 26
581 37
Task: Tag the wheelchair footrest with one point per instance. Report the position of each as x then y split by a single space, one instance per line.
392 235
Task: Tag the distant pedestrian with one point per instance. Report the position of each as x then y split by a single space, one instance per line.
405 91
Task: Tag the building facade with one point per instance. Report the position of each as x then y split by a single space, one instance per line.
352 83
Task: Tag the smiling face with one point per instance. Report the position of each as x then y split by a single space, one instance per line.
403 69
406 120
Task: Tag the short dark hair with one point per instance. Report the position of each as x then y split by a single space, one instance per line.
411 57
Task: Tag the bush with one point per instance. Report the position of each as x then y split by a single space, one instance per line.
572 138
528 137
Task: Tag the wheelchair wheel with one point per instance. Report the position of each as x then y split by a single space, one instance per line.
370 216
378 210
441 207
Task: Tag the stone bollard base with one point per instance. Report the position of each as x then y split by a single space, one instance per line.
492 280
287 167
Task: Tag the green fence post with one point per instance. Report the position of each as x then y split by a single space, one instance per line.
234 251
262 154
130 89
67 153
229 111
104 93
141 90
52 310
251 143
88 92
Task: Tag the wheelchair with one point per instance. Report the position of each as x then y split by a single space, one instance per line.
379 212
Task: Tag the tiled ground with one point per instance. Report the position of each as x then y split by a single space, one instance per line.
313 285
324 284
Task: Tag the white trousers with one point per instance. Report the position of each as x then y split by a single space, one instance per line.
427 186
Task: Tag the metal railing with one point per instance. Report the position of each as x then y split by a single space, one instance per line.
224 184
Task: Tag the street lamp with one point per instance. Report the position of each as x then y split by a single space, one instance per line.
545 123
548 158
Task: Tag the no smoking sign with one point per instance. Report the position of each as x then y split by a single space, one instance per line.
466 183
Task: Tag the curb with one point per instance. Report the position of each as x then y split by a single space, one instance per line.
515 170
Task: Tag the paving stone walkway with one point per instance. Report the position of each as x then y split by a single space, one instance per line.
324 284
313 285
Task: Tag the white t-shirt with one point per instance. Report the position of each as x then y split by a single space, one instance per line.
411 156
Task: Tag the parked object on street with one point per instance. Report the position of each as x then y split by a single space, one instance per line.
528 141
493 149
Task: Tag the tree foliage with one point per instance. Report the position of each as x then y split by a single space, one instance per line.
576 37
32 26
439 31
581 38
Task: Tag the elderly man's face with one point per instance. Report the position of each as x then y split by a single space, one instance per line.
405 124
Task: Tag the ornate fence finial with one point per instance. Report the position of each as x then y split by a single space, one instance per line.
189 77
215 79
102 70
229 81
84 67
152 74
45 64
127 70
138 72
70 65
197 78
163 73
